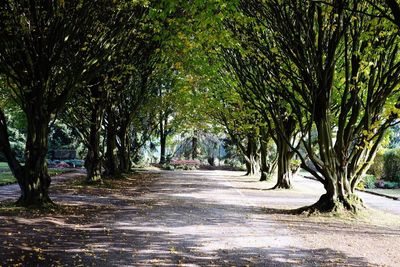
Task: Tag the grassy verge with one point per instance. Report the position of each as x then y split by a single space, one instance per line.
3 166
6 176
388 192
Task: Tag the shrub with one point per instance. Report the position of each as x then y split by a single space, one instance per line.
369 181
235 163
377 167
168 167
391 185
392 165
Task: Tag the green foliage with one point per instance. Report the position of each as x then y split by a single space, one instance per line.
235 163
168 167
392 165
368 181
391 185
394 136
62 137
377 167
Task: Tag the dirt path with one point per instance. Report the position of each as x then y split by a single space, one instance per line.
188 219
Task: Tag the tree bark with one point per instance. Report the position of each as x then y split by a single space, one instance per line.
268 165
93 158
33 177
339 192
124 150
111 157
163 139
194 147
284 172
395 8
5 147
251 158
285 154
93 164
35 181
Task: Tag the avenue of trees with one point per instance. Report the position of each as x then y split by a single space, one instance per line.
324 78
290 82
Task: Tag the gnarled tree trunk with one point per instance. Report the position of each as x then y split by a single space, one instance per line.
33 177
285 154
339 191
93 157
284 172
35 181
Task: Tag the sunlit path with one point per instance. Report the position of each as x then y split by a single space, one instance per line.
196 218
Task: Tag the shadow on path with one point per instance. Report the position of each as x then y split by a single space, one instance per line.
169 219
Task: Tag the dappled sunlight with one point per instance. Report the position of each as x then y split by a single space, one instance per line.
176 218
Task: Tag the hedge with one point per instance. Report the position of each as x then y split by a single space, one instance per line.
392 165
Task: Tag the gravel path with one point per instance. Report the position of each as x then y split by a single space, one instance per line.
209 218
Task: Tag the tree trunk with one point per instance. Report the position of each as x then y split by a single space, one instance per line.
339 192
338 196
284 171
263 167
251 159
395 8
5 147
111 157
33 177
268 165
93 158
163 137
163 141
194 147
124 150
35 181
93 164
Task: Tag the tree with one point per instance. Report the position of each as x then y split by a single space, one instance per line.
268 154
344 70
131 93
257 91
85 114
241 123
166 96
389 9
41 57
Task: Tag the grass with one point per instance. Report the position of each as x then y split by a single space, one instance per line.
3 166
6 176
389 192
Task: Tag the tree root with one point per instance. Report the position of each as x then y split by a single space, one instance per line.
352 204
264 177
42 203
281 186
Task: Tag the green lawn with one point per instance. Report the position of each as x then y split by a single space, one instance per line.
6 176
388 192
3 166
